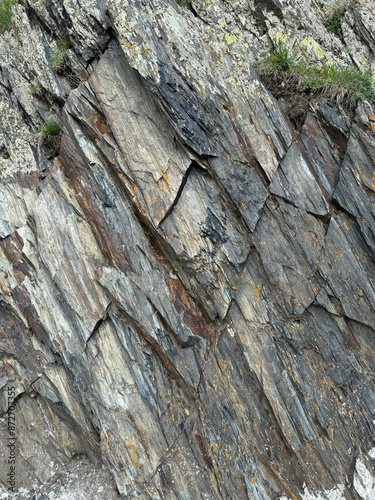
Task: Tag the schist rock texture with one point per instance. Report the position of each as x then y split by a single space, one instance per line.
187 275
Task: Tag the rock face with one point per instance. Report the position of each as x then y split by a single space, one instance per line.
186 278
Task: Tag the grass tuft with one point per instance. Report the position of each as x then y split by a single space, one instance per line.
183 3
58 58
280 57
49 137
6 15
333 24
35 88
63 41
333 11
63 44
343 84
50 129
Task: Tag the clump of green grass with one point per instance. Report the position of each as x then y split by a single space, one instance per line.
57 58
63 41
50 130
343 84
183 3
63 44
35 88
6 15
334 11
333 24
280 57
49 138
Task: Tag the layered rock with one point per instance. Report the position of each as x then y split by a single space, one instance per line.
186 279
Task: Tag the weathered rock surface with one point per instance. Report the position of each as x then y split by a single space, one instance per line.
187 286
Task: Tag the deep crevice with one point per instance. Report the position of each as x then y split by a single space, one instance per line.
99 323
4 153
179 192
338 208
326 218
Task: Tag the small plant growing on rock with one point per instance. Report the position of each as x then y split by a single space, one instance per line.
49 135
344 84
333 24
280 57
334 11
183 3
50 129
58 58
282 67
6 15
63 44
35 88
63 41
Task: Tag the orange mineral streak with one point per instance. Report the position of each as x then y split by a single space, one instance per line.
133 190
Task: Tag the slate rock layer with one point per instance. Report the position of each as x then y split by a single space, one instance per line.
187 290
